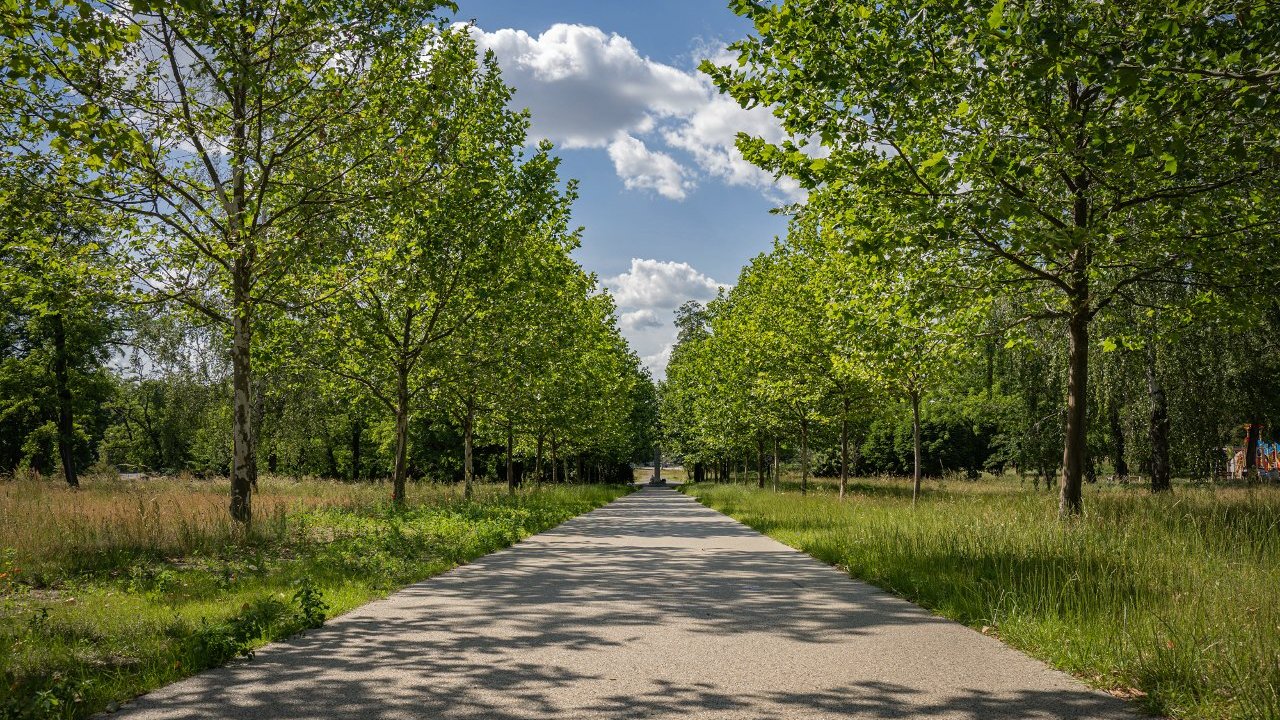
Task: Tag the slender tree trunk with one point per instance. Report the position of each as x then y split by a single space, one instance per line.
537 470
915 442
511 470
555 465
1117 440
244 464
1159 428
468 469
777 467
66 423
356 430
804 456
400 470
760 469
1070 501
844 449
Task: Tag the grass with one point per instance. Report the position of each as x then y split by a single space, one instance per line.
125 586
1172 601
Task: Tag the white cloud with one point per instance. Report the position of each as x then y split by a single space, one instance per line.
657 362
647 295
583 87
660 285
645 319
640 167
589 89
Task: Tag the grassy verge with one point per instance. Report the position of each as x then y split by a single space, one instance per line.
1173 601
124 586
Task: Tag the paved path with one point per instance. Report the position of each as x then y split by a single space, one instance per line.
652 607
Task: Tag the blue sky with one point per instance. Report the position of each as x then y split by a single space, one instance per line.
670 210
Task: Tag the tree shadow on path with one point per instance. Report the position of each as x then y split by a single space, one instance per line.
653 606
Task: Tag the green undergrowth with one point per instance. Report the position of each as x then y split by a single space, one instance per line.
99 622
1172 601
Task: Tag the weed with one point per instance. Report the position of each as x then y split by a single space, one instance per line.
310 602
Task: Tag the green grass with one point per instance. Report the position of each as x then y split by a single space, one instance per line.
1173 601
126 586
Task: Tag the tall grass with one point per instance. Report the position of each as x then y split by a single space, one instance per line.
125 585
1173 600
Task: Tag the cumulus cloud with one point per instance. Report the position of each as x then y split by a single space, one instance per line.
660 285
589 89
647 295
640 167
645 319
583 86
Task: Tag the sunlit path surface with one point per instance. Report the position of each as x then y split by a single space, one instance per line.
652 607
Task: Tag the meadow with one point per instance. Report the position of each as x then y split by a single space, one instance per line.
127 585
1172 601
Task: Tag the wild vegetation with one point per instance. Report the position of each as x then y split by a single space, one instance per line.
1169 600
127 585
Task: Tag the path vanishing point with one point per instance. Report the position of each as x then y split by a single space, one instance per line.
651 607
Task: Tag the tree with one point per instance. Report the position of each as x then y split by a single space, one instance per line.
61 293
1082 149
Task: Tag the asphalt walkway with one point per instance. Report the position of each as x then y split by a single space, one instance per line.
651 607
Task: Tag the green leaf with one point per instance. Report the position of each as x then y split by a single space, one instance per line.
996 17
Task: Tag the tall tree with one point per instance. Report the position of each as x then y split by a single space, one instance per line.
57 282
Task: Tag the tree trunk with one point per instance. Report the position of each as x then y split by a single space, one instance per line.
1070 501
555 466
915 442
537 470
1159 428
356 430
804 456
844 449
244 464
1252 434
400 470
468 469
66 423
760 463
511 470
777 470
1117 440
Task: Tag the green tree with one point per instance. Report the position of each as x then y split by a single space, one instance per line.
60 296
